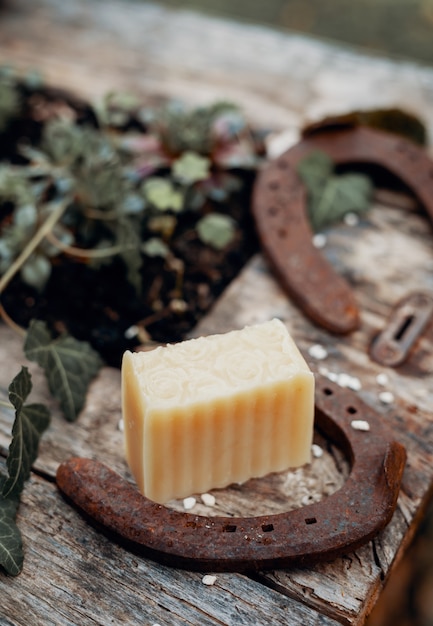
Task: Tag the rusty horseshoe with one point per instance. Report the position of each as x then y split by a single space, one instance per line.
279 209
321 531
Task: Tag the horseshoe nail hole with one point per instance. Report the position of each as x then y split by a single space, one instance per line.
404 326
274 184
352 410
273 211
229 528
310 520
282 164
282 233
267 528
327 391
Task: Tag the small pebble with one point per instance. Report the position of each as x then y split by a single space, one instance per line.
209 580
351 219
360 425
317 451
208 499
319 240
189 503
382 379
318 352
386 397
121 425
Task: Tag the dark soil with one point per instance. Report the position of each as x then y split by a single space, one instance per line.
100 305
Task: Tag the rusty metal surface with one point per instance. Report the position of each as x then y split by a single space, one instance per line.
402 331
280 210
340 523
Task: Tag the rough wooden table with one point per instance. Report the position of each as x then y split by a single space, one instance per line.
72 573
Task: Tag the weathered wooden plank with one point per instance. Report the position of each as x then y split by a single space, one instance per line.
154 51
75 575
93 47
347 588
389 254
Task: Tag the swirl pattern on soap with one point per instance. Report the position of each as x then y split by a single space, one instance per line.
216 366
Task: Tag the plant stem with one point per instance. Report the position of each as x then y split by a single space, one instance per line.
10 322
6 404
83 253
46 227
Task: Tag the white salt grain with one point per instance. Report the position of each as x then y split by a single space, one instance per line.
382 379
209 580
317 451
386 397
189 503
360 425
333 377
131 332
121 425
208 499
318 352
351 219
348 381
319 240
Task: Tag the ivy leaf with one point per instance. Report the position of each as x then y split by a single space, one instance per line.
314 171
190 168
36 271
30 422
11 547
69 366
331 196
154 247
161 194
216 230
342 194
127 232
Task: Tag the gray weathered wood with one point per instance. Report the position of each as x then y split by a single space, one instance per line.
78 576
73 574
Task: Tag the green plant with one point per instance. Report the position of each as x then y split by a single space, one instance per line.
114 188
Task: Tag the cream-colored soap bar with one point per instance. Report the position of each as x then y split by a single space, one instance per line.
210 411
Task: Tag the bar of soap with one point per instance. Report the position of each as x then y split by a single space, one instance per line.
207 412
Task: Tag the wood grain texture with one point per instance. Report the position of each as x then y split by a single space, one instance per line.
78 576
280 80
389 254
72 573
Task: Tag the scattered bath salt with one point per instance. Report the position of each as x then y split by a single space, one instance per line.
208 499
318 352
131 332
360 425
121 425
386 397
354 383
351 219
189 503
209 580
382 379
319 240
317 451
333 377
351 382
323 370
